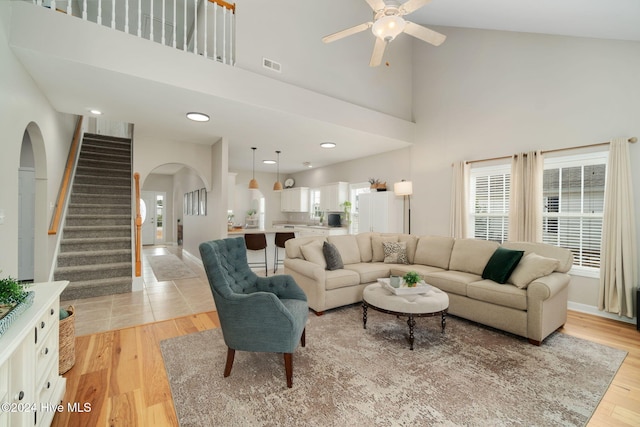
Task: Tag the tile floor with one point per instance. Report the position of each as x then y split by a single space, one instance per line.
157 301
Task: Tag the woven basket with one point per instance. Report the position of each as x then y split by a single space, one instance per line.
67 341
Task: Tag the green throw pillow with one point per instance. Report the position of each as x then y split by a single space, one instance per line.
501 265
332 256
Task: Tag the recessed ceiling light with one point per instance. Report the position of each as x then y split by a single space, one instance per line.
328 145
198 117
307 164
96 112
269 162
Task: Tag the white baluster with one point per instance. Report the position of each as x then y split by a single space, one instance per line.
215 32
195 27
232 37
224 36
126 16
99 12
175 24
113 14
84 10
163 20
139 18
151 22
184 29
205 29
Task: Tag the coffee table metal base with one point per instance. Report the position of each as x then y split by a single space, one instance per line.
410 318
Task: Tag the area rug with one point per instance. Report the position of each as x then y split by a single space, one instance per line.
470 376
169 267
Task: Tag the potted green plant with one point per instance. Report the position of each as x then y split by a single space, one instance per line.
411 279
12 292
347 212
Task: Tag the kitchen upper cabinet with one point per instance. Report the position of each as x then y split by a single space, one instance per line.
333 195
380 211
295 199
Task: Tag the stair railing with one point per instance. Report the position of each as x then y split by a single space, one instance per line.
205 27
136 180
66 179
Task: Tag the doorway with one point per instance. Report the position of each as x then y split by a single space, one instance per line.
152 207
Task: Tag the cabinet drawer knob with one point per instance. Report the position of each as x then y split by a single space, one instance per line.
41 325
20 396
45 351
52 311
48 385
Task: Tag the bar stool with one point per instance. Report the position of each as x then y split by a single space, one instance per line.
280 238
257 242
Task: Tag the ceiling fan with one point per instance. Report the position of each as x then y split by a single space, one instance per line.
387 23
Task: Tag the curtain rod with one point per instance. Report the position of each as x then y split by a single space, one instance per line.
632 140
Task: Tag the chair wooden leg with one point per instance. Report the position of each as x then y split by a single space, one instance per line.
288 367
266 266
230 355
303 339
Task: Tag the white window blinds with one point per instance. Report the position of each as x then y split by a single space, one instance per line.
490 203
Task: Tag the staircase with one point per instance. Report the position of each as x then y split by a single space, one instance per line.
95 250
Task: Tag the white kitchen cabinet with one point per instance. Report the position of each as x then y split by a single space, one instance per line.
333 195
320 231
29 350
295 199
380 211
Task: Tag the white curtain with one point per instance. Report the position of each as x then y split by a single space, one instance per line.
459 200
525 200
618 260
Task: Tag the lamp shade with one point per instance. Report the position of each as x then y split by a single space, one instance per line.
253 184
388 27
403 188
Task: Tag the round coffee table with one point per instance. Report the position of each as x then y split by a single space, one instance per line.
433 302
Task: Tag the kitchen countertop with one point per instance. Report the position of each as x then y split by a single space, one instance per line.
279 228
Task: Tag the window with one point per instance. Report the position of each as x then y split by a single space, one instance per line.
354 191
573 191
490 202
314 203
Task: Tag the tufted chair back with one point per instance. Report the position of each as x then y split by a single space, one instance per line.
227 268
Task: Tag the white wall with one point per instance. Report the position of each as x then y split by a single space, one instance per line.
21 103
339 69
487 93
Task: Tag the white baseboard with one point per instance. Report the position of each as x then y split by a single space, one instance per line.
590 309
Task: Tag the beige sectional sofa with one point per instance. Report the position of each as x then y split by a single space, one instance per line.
532 304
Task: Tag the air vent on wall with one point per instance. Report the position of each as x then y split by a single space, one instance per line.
272 65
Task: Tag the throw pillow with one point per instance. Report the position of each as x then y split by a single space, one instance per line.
532 267
332 256
377 248
395 252
312 252
501 264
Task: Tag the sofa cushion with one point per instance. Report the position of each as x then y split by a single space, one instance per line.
341 279
312 252
332 256
495 293
434 251
364 244
347 246
369 271
501 265
395 252
376 246
454 282
412 243
532 267
471 255
564 256
422 270
292 246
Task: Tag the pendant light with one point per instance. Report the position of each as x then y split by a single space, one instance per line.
278 185
253 184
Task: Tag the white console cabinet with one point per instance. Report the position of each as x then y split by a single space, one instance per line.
380 212
30 386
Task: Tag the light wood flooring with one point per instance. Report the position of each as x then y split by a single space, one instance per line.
121 373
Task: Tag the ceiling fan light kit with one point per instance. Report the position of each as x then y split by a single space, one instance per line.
388 23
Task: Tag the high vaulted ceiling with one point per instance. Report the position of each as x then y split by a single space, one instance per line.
609 19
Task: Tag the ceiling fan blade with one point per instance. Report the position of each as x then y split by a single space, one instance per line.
412 6
344 33
376 5
424 34
378 52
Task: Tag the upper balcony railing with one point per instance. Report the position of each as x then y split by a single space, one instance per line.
202 27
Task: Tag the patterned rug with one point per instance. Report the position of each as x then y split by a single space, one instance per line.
169 267
469 376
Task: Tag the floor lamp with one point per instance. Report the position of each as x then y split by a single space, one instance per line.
405 189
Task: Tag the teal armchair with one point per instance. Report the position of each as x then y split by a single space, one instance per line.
260 314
